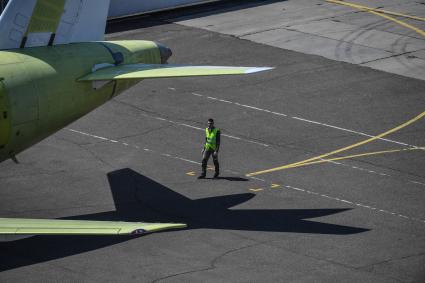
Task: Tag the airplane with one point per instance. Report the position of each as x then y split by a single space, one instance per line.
55 68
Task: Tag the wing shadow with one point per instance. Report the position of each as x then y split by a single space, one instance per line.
138 198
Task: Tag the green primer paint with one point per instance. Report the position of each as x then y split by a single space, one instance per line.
4 117
46 16
43 91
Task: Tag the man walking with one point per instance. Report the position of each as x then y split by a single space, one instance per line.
211 147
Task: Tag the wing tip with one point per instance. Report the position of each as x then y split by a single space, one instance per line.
156 228
258 69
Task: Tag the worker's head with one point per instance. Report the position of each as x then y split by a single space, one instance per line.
210 123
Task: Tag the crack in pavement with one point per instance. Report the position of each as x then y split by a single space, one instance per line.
212 264
371 266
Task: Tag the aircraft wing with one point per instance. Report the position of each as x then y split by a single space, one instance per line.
150 71
18 226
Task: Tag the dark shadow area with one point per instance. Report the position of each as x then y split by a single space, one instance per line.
161 18
232 179
138 198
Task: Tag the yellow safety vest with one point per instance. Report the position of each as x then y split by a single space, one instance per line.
211 142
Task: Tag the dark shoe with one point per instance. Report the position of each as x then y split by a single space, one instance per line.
202 176
216 175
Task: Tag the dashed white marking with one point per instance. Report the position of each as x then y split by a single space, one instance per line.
317 123
297 189
278 114
89 135
172 88
263 180
348 130
187 160
417 183
250 107
255 178
124 143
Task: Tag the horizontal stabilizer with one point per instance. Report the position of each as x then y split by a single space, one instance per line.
150 71
17 226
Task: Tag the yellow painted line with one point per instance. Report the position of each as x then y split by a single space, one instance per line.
274 186
341 149
380 14
376 10
358 155
256 190
191 173
419 31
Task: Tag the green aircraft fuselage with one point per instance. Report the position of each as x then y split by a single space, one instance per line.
40 94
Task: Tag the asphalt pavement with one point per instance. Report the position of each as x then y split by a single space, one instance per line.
358 216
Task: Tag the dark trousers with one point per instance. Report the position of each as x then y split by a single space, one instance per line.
206 157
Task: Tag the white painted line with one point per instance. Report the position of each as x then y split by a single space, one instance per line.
247 106
309 121
417 183
348 130
190 126
187 160
263 180
232 137
89 135
279 114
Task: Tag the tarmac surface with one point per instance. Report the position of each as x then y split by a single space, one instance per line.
356 219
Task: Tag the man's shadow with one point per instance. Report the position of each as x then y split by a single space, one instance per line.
138 198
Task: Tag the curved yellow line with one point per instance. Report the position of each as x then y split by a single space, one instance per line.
341 149
376 10
358 155
380 13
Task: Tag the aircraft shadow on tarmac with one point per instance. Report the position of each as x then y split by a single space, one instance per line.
138 198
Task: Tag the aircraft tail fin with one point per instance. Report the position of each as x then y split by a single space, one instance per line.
29 23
